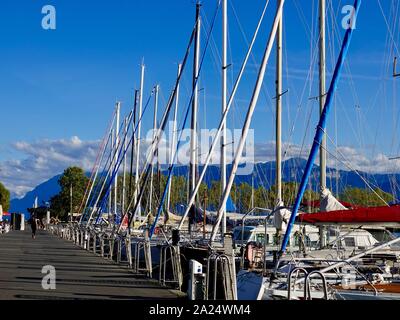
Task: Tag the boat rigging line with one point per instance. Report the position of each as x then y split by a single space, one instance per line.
319 134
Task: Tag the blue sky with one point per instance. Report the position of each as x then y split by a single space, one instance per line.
57 86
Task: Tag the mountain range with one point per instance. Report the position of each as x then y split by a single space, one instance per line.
263 175
43 191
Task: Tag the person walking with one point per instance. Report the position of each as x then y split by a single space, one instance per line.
33 226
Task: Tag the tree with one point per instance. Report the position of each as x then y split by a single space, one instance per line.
214 195
73 178
4 197
364 197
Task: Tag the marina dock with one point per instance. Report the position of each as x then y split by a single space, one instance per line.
79 274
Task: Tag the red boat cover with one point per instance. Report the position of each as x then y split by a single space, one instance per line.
360 215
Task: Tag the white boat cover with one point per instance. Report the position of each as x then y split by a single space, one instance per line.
173 218
281 218
329 202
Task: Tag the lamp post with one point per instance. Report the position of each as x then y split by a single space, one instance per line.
70 202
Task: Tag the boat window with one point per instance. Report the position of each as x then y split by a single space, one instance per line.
308 241
349 242
238 235
333 233
382 235
260 237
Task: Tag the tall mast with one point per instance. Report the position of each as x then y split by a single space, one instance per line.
124 166
156 88
224 86
133 150
250 112
174 135
133 146
111 168
322 87
319 132
217 140
279 111
322 91
193 138
139 125
118 109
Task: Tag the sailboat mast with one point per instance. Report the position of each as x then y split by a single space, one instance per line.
224 100
322 87
118 110
193 138
156 88
216 140
322 91
139 125
250 112
196 63
320 132
279 112
111 168
133 146
124 166
174 135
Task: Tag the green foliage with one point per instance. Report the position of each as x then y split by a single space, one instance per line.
366 198
242 195
60 204
4 197
214 194
179 192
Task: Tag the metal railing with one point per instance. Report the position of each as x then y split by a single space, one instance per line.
307 285
174 263
217 258
289 280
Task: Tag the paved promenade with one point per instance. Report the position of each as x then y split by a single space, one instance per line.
79 274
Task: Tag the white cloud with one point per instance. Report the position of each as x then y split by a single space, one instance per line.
345 158
44 159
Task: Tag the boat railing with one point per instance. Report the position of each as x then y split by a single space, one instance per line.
128 246
339 274
175 265
307 285
141 248
216 258
359 273
119 241
289 279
